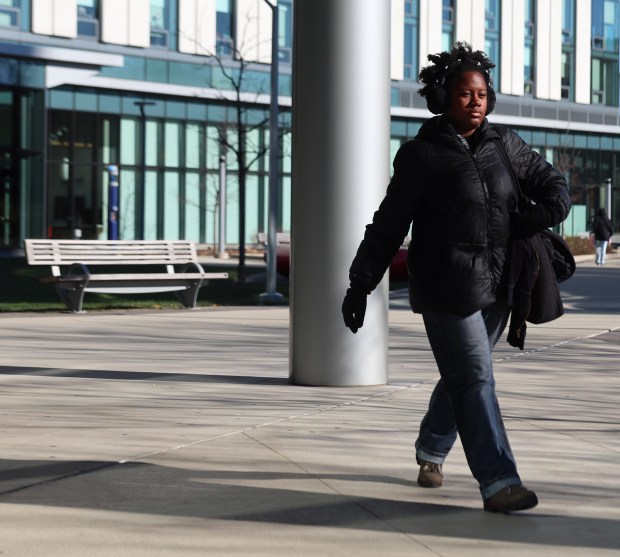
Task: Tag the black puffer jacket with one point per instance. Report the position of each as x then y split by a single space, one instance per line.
458 202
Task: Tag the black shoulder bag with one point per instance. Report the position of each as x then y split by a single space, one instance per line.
536 266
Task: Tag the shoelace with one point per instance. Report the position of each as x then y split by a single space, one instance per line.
432 467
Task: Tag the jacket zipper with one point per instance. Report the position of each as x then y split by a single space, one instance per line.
487 202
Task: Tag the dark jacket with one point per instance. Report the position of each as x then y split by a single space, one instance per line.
458 201
601 228
535 267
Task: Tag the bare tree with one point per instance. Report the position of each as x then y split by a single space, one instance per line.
236 135
236 138
572 163
566 161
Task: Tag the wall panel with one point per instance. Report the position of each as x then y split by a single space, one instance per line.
583 51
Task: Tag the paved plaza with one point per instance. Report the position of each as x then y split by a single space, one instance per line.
176 433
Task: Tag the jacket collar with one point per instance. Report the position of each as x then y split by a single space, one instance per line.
439 127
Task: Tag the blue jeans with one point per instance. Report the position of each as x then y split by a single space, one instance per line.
601 251
464 399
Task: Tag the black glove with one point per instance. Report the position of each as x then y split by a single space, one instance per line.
528 223
354 308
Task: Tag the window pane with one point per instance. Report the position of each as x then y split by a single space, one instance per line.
192 206
158 14
172 206
6 107
150 206
223 28
285 42
286 153
10 12
210 208
192 145
160 24
109 146
87 24
411 51
567 17
87 8
252 200
129 140
172 147
286 202
213 147
152 142
127 208
447 11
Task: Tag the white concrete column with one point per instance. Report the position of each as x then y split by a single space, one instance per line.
512 47
548 83
139 23
341 167
429 29
470 20
197 26
253 30
56 18
583 52
126 22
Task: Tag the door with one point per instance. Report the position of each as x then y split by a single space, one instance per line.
8 191
74 189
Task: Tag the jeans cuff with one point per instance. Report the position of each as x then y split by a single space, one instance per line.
495 487
435 458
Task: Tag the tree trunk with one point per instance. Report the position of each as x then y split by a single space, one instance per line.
241 274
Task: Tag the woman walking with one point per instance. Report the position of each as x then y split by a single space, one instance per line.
602 230
451 188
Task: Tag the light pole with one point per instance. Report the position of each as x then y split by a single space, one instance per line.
271 296
221 252
142 187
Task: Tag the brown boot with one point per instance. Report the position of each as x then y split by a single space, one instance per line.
512 498
430 474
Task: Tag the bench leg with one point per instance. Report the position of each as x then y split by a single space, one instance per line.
72 296
189 296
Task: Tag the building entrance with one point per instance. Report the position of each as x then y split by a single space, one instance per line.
74 182
8 217
9 214
21 165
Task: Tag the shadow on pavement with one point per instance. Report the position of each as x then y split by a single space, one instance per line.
150 489
141 376
592 290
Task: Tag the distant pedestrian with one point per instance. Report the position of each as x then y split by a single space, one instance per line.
602 231
452 188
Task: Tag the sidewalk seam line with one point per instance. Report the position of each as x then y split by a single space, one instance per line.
350 498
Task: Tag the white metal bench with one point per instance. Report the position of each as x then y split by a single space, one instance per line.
77 255
281 238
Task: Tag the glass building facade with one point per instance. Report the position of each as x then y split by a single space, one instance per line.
161 104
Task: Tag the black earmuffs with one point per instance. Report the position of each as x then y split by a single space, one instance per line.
491 99
438 102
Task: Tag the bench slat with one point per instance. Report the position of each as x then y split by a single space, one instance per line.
101 252
145 277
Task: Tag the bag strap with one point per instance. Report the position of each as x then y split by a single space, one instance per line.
521 199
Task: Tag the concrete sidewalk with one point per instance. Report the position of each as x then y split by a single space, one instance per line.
177 433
